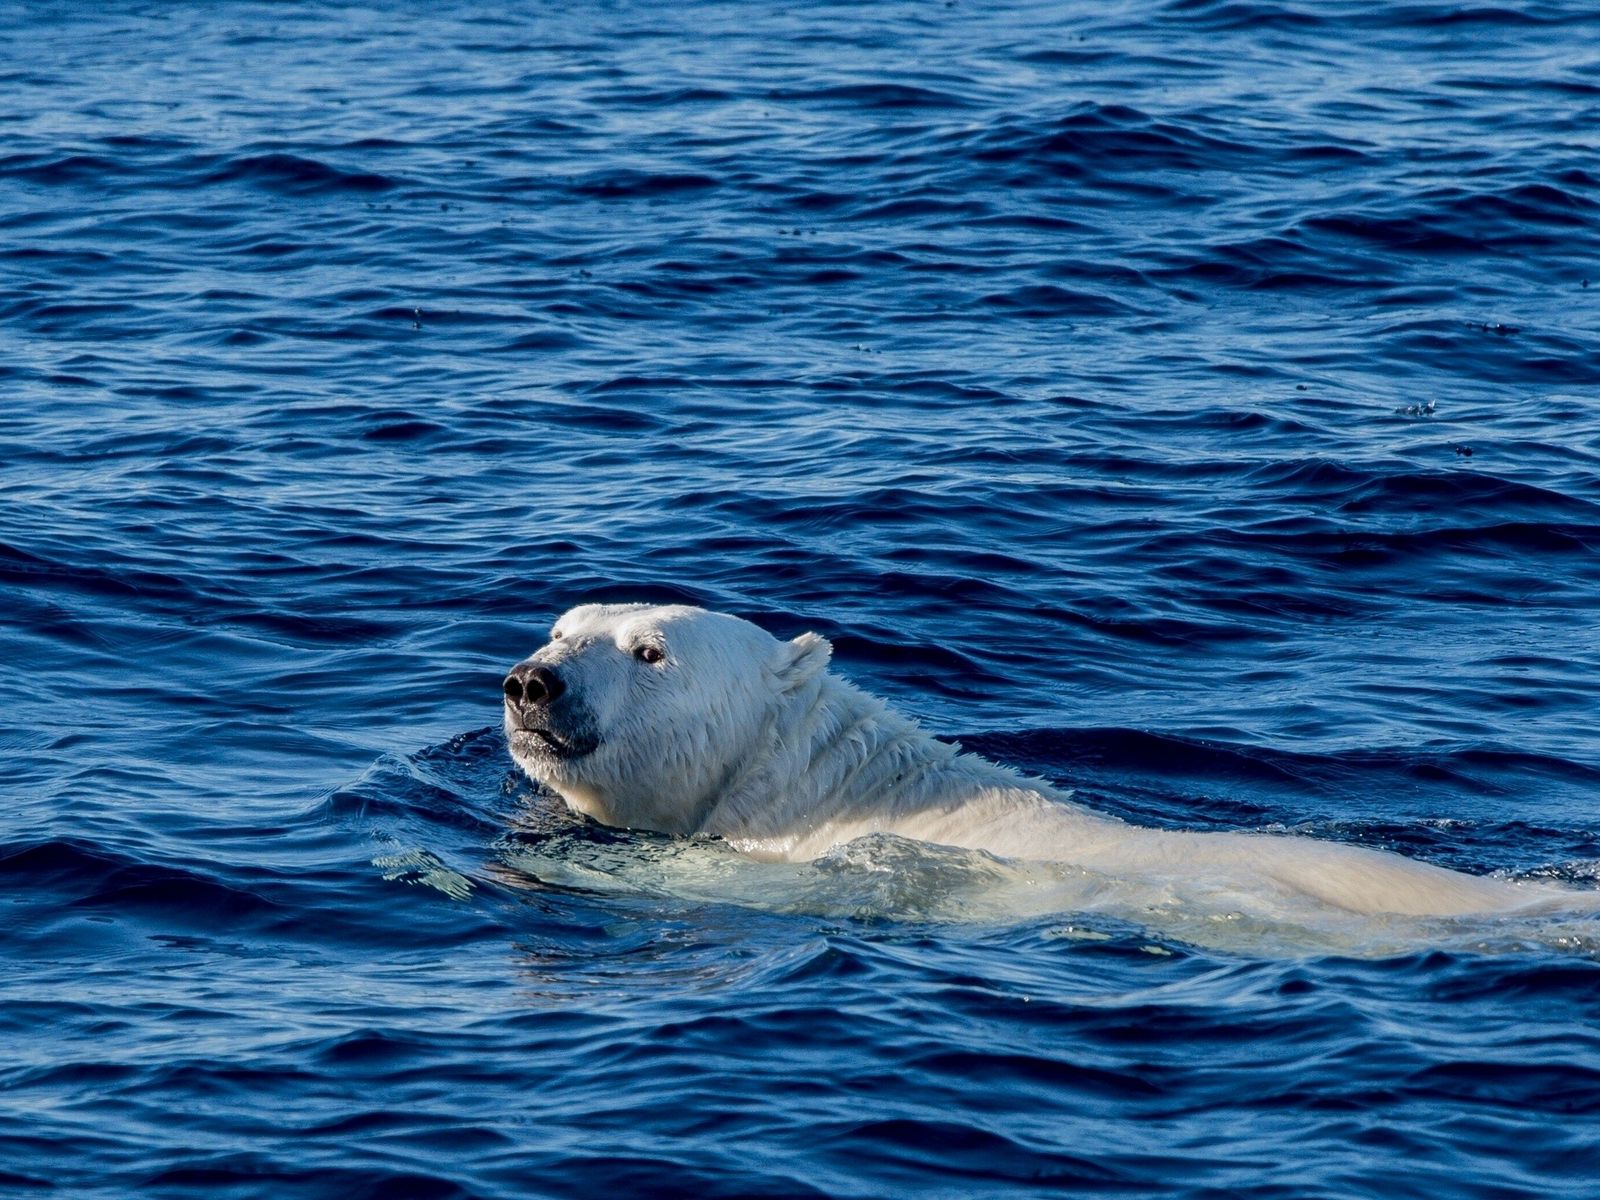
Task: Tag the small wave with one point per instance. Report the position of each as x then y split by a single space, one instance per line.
1241 15
65 170
442 786
632 184
1066 750
1483 15
1112 139
292 174
1457 495
1533 216
83 876
872 96
1047 300
38 572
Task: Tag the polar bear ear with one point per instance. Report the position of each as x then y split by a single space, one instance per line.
799 660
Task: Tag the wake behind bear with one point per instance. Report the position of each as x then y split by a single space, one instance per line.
686 721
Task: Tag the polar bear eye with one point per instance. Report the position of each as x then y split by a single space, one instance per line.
648 654
555 635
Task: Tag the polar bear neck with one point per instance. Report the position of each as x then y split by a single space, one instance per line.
833 757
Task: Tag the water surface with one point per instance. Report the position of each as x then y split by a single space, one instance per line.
1190 402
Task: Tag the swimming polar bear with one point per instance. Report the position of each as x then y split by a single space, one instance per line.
686 721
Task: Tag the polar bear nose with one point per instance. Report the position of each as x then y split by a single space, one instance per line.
528 684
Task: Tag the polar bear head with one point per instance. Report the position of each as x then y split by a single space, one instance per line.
642 716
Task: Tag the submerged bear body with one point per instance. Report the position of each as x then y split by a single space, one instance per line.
685 721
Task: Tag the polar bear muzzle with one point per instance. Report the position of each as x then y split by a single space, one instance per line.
539 723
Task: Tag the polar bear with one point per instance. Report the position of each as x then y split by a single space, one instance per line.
684 721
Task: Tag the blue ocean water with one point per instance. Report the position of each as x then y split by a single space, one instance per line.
1194 402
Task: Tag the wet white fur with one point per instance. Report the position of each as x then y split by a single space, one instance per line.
739 735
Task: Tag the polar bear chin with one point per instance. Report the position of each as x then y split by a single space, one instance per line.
684 721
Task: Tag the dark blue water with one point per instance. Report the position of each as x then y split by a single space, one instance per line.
1197 403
